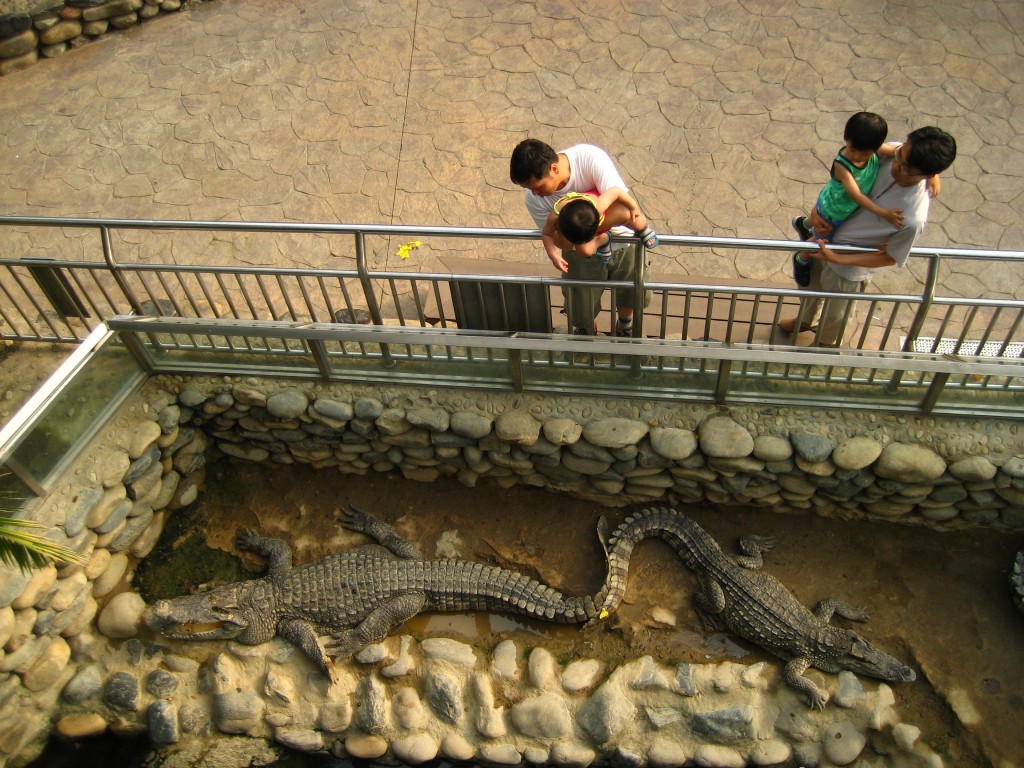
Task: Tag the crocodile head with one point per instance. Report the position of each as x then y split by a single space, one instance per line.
864 659
232 612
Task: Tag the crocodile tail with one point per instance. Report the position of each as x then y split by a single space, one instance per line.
660 522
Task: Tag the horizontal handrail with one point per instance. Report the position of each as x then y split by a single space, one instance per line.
488 340
700 241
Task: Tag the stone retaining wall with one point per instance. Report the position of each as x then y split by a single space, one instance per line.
53 27
933 471
75 651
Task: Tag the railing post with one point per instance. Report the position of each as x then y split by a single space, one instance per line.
372 307
927 297
115 271
639 297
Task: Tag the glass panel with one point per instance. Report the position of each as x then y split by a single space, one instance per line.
78 410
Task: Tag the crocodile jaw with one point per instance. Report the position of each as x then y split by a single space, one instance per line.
865 659
212 615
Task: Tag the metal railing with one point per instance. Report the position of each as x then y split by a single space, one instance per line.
708 325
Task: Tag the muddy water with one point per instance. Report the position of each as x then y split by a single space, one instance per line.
939 601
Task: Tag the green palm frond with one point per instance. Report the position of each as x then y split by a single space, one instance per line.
21 545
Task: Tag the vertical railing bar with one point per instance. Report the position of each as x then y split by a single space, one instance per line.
21 311
934 392
249 303
268 302
304 292
722 381
326 296
319 352
968 324
42 312
231 305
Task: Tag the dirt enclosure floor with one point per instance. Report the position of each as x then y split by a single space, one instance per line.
939 601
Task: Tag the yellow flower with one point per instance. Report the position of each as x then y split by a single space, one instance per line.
404 250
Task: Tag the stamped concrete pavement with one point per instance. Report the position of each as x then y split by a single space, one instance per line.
723 116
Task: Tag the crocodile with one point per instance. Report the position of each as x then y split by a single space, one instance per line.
736 595
357 597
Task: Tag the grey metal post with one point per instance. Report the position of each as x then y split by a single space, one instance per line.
372 307
927 297
115 271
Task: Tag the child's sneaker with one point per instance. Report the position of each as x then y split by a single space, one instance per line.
801 270
802 230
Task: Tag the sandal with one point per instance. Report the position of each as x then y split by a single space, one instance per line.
623 329
648 236
604 252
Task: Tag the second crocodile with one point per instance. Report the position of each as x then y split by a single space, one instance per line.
736 595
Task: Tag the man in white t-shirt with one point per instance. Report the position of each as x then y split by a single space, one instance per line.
903 184
547 176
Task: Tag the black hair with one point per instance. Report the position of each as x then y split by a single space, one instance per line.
531 159
932 150
578 220
866 131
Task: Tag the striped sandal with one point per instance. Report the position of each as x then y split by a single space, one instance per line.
648 236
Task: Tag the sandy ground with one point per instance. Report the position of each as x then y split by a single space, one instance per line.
939 601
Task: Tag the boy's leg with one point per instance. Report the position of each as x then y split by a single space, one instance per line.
583 303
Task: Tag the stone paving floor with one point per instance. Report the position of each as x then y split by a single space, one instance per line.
722 115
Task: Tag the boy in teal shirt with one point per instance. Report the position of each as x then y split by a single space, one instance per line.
854 171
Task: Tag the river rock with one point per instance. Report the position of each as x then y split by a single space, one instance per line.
49 667
113 573
371 713
237 711
721 437
504 660
771 448
540 667
365 747
973 469
85 685
415 749
909 464
614 433
843 743
455 747
544 716
664 753
162 718
517 427
75 521
571 755
452 651
729 724
122 616
770 752
75 727
811 447
300 739
607 712
562 431
443 694
122 691
161 684
289 404
716 756
500 754
856 453
580 675
672 443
